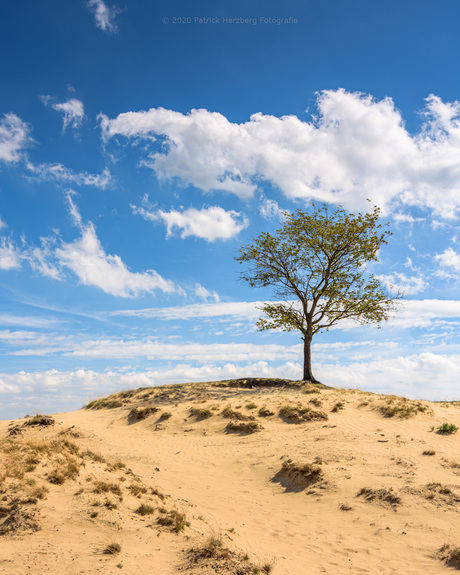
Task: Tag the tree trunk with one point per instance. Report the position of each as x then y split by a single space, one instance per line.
307 372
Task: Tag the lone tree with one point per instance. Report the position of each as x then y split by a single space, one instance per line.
316 264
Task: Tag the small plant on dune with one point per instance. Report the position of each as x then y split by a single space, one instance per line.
383 495
450 555
200 412
104 487
267 566
447 429
165 415
316 401
137 490
429 452
174 519
339 405
93 456
112 549
251 405
39 420
140 413
144 509
299 413
402 407
243 426
230 413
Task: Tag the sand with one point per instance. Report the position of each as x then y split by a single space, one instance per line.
339 482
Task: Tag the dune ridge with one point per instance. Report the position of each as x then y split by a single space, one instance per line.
233 477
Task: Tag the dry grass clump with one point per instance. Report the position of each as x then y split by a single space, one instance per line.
213 555
111 402
439 493
338 406
39 420
230 413
174 519
105 487
299 413
144 509
251 405
140 413
137 489
112 549
295 477
429 452
449 555
265 412
165 415
25 467
200 412
402 407
243 426
385 496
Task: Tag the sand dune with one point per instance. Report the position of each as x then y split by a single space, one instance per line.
240 477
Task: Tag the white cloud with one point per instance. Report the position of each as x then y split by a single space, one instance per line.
422 376
42 260
410 314
418 376
356 148
270 210
399 281
73 111
243 309
3 224
104 15
14 137
10 258
62 174
449 259
88 260
213 223
204 294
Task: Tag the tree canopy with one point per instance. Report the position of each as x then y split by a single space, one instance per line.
316 265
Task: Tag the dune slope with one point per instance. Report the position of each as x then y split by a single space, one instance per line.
242 476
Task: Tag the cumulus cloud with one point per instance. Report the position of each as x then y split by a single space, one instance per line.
87 259
356 148
449 261
72 109
418 376
14 137
212 223
104 15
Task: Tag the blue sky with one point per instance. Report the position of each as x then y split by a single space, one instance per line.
142 144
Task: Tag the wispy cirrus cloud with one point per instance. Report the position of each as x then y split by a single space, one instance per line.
356 148
60 173
10 255
104 15
14 138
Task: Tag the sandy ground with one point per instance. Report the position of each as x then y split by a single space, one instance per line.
355 483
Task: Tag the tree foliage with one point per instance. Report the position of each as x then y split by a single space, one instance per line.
316 265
